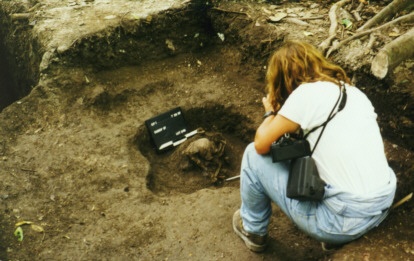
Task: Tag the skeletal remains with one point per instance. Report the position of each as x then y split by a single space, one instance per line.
208 154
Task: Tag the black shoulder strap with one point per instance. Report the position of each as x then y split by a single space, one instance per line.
342 93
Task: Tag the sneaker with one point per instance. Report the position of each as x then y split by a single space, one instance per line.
253 242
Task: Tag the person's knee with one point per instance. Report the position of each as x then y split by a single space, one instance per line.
251 157
250 148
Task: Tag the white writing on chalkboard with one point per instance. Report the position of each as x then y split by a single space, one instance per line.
160 129
180 132
175 114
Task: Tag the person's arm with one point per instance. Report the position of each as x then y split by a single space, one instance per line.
271 129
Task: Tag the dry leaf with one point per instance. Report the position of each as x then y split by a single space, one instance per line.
277 17
307 33
394 34
37 228
267 11
23 223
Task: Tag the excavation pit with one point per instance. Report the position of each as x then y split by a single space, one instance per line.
182 169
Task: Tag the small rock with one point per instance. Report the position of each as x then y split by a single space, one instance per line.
170 45
221 36
46 59
61 49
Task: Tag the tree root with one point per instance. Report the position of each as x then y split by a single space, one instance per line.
356 12
388 12
402 201
371 42
20 16
311 18
405 18
393 54
334 24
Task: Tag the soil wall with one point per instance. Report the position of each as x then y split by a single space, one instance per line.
20 55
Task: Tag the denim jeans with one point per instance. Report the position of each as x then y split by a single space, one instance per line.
339 218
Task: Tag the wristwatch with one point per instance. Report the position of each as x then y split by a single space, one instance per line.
268 113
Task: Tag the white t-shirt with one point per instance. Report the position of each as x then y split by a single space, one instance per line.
350 154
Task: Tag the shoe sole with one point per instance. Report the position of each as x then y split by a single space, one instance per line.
250 245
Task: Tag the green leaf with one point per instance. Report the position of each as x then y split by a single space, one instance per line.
403 82
346 23
18 233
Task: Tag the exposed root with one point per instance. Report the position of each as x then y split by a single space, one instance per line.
356 12
371 42
402 201
388 12
334 24
405 18
311 18
21 16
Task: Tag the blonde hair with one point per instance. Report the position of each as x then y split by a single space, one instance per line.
296 63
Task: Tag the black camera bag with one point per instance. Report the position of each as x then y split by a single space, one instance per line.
304 182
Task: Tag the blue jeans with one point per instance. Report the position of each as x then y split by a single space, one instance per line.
337 219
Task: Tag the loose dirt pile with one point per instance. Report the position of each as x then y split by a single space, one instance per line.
76 159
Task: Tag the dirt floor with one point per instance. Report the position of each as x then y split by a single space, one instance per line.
77 167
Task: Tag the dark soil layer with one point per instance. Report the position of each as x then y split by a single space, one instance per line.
7 85
20 57
76 158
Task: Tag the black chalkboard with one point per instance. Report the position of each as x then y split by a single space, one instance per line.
168 129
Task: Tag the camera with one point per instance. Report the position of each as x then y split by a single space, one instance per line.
289 147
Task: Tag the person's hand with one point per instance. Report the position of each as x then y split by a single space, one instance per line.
267 104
